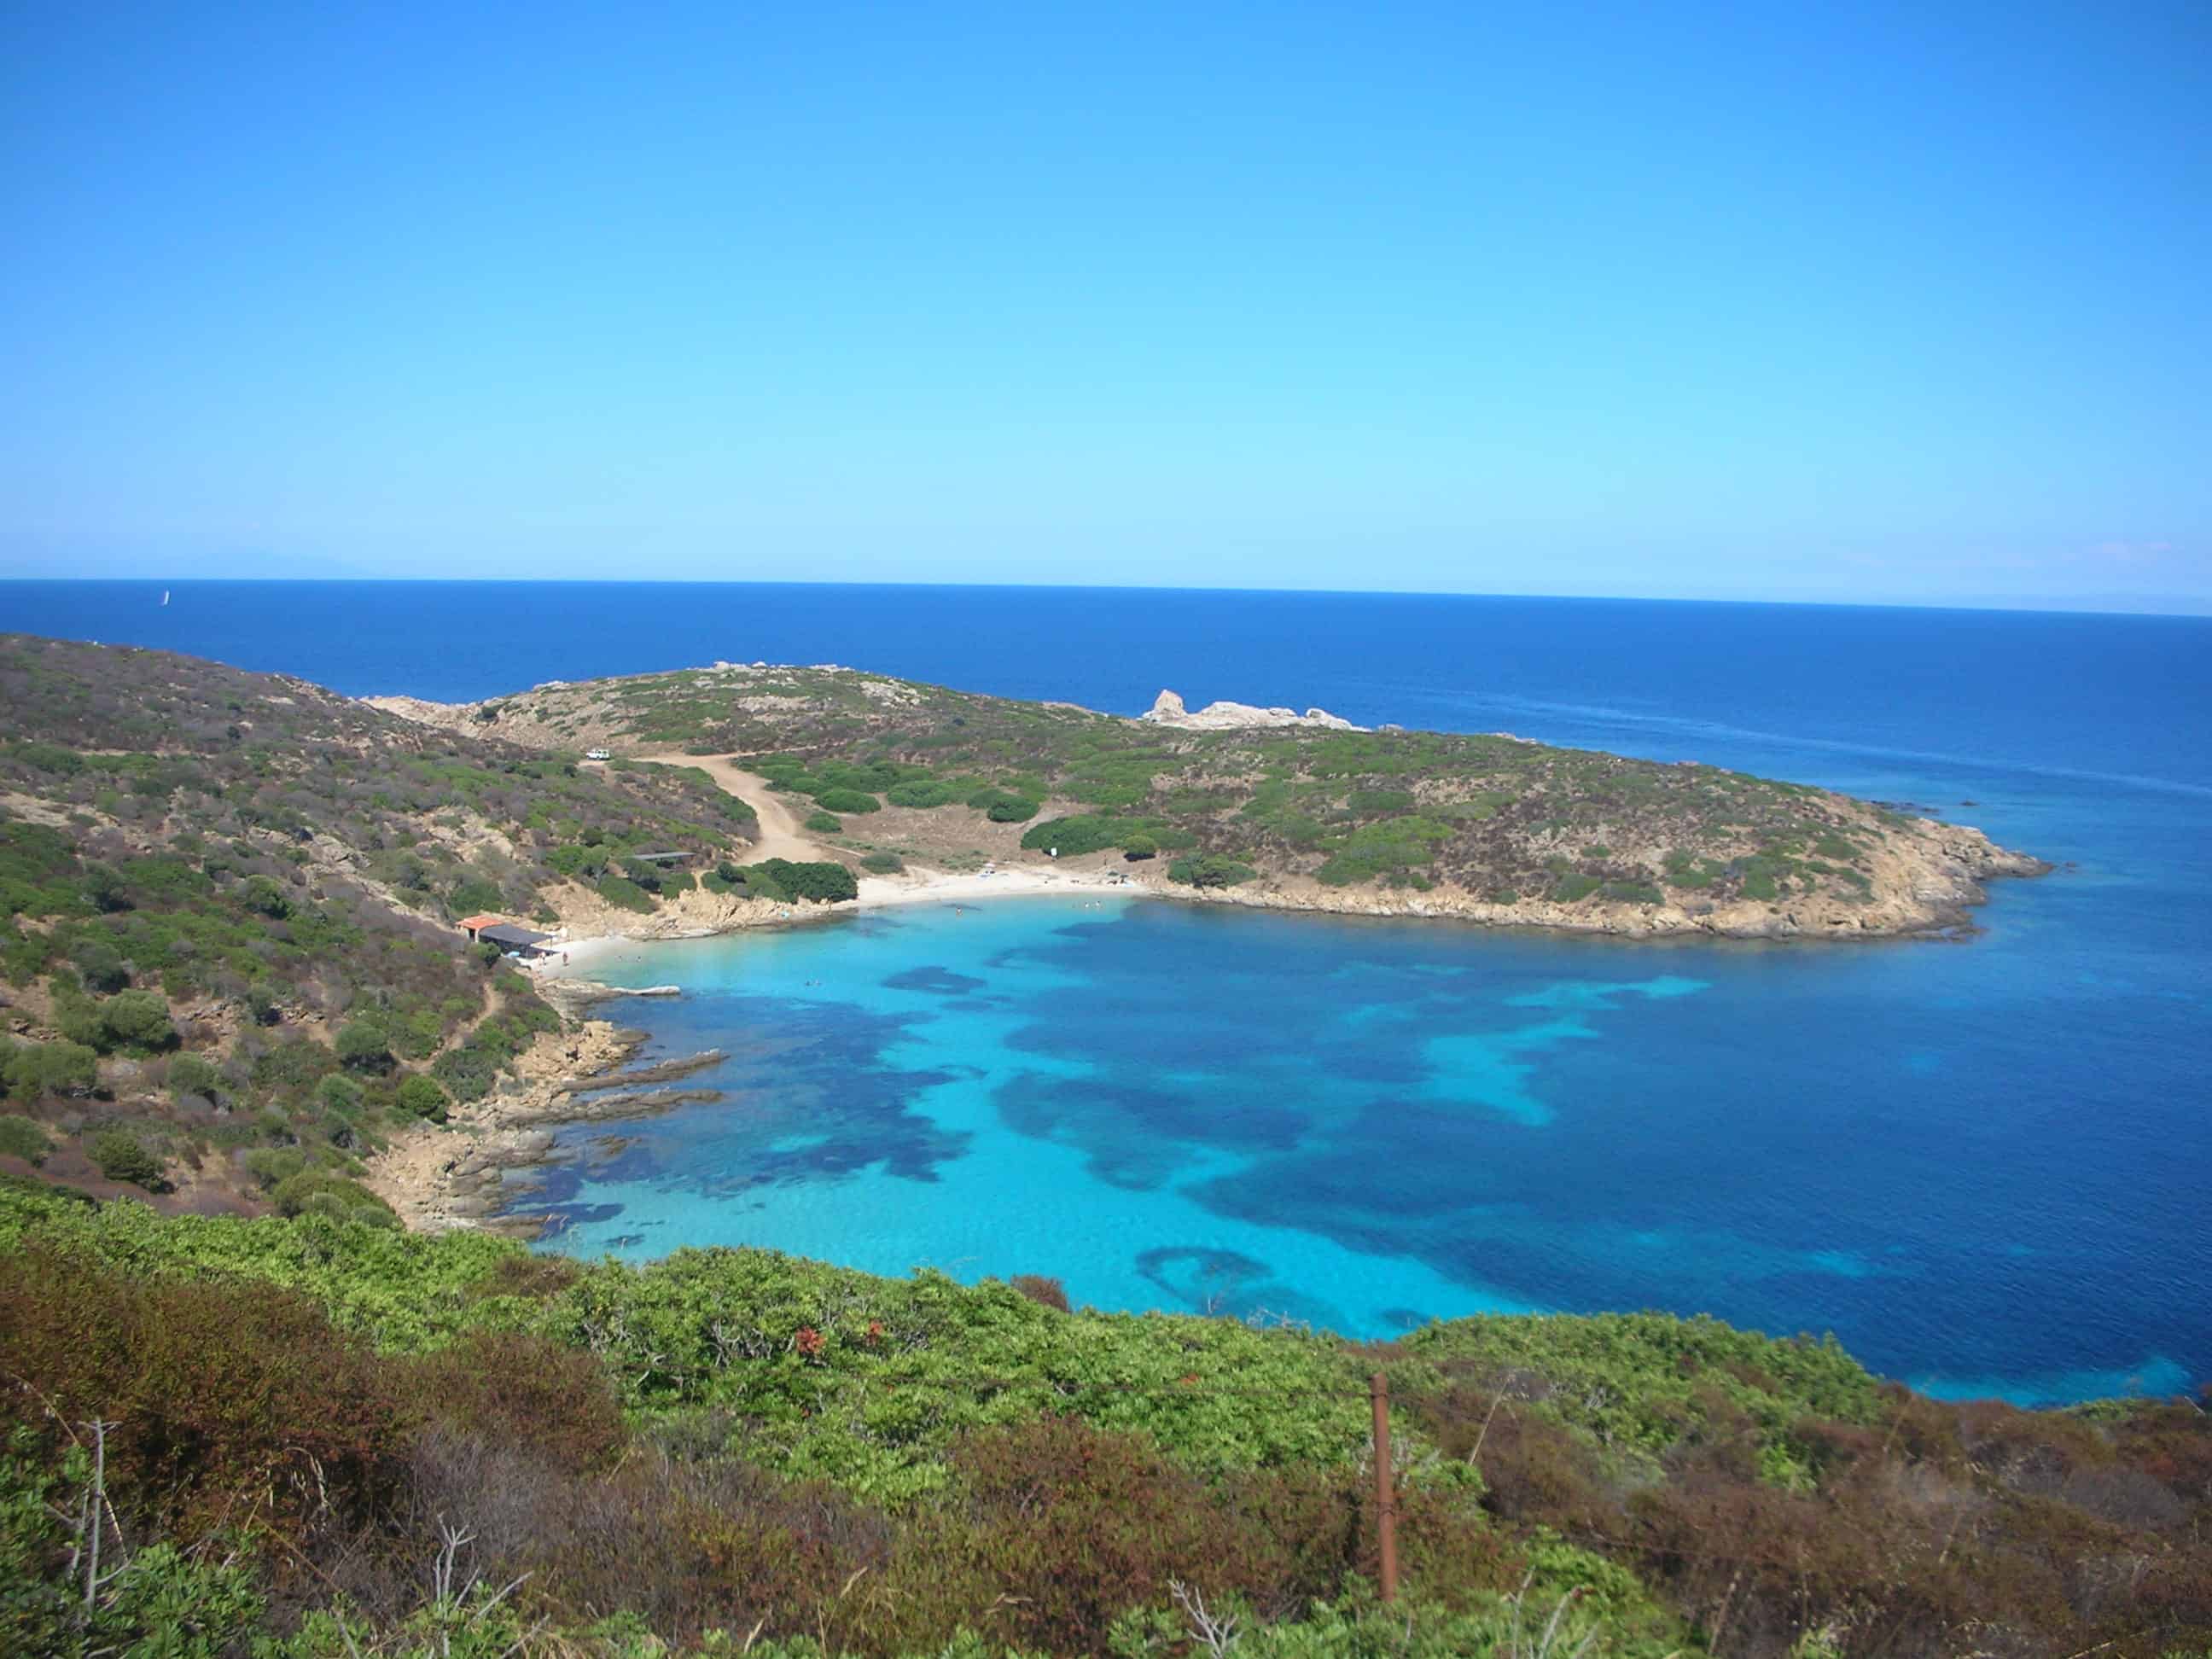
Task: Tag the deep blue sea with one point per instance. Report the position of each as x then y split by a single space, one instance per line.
1983 1166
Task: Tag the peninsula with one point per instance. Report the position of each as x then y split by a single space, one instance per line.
255 960
258 939
1256 806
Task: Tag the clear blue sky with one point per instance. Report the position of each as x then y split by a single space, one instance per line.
1899 302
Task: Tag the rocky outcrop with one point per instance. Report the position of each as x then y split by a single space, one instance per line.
1167 710
693 913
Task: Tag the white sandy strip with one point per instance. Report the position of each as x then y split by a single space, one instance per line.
577 958
936 887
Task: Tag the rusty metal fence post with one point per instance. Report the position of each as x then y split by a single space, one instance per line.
1386 1500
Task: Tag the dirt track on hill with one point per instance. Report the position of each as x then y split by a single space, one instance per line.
780 834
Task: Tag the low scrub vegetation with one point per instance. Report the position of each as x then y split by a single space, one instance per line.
786 881
1388 809
298 1421
228 924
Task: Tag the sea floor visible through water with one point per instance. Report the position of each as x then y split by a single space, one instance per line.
1360 1125
1981 1166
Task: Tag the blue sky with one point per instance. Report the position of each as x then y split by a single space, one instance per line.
1875 303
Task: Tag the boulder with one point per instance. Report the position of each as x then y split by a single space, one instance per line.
1168 709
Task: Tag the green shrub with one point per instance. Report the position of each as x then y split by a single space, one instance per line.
846 800
1346 870
1002 806
365 1045
138 1021
328 1194
471 894
48 757
884 863
264 897
1210 869
625 894
21 1137
642 873
785 880
339 1093
292 1068
269 1164
825 823
1364 801
1140 847
77 1019
52 1068
189 1074
1574 887
120 1156
422 1097
1086 832
922 791
758 882
100 965
467 1072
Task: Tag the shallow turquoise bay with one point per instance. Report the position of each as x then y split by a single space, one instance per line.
1360 1126
1983 1166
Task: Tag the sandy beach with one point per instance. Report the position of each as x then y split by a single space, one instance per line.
586 956
937 887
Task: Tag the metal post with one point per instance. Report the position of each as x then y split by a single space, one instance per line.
1386 1501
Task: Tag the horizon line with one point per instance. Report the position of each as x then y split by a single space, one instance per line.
2193 609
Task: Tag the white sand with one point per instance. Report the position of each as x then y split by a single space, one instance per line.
579 957
936 887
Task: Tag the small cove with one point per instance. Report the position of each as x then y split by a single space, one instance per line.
1361 1125
1981 1166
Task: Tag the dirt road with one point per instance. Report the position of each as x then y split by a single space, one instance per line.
781 836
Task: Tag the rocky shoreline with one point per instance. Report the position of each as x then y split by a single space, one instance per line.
455 1175
1932 897
440 1176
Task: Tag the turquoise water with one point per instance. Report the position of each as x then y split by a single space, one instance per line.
973 1142
1983 1166
1355 1125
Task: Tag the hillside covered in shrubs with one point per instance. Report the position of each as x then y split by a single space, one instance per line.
1489 827
313 1438
228 956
